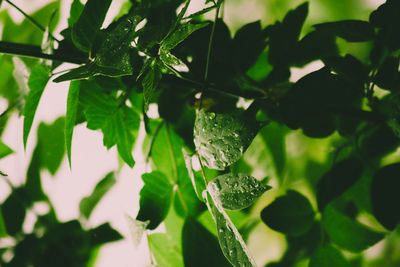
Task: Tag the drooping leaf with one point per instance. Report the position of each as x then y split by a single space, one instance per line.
155 198
337 180
236 191
199 247
52 147
72 109
5 150
222 138
180 34
88 203
165 250
327 256
37 82
290 214
89 22
150 82
348 233
350 30
384 195
103 234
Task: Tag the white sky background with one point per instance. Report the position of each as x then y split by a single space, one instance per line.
90 159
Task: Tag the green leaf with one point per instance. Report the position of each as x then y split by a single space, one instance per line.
387 76
197 182
103 234
4 150
348 233
52 146
200 247
72 109
337 180
118 123
165 250
327 256
180 34
170 60
13 212
384 195
150 82
222 138
33 182
236 191
88 203
3 230
37 82
89 22
350 30
185 199
291 214
75 12
350 67
155 198
248 43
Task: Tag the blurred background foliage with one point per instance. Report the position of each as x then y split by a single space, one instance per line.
290 160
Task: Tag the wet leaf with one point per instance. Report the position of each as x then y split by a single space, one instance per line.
150 82
348 233
236 191
180 34
87 204
222 138
290 214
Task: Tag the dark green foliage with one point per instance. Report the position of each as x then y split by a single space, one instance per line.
350 30
13 210
291 214
327 256
384 195
337 180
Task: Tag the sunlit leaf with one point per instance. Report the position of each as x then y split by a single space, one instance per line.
88 203
327 256
198 242
222 138
384 195
165 250
89 22
155 198
290 214
37 83
72 109
348 233
236 191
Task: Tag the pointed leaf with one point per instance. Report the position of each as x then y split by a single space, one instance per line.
230 240
384 196
350 30
4 150
155 198
291 214
327 256
222 138
348 233
337 180
75 12
236 191
198 242
180 34
103 234
72 109
137 229
150 83
88 25
88 203
37 83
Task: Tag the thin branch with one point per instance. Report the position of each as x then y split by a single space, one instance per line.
32 20
36 52
202 170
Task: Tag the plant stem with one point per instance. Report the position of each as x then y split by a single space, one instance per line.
202 170
36 52
32 20
210 42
